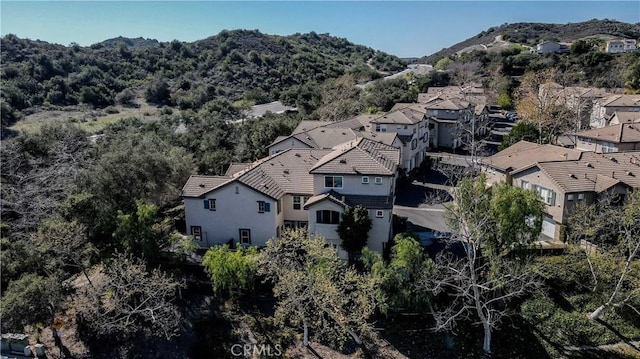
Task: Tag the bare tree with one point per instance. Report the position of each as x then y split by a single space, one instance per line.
126 298
480 282
615 229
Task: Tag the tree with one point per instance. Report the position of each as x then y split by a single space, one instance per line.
579 47
539 101
524 130
142 233
398 281
480 282
127 299
316 290
353 230
614 265
29 300
340 99
231 270
158 92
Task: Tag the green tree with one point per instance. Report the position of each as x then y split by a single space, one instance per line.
316 290
29 300
231 270
443 64
158 92
353 230
483 282
142 233
398 281
632 78
579 47
524 130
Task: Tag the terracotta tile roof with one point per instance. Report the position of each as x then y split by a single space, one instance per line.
343 200
198 185
524 153
620 133
284 172
236 167
361 156
383 137
594 172
622 101
352 123
626 116
407 116
307 125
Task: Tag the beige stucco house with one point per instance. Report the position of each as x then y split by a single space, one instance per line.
614 138
563 177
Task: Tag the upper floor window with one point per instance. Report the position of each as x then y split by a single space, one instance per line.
210 204
548 196
608 147
264 206
524 184
414 143
378 180
365 179
333 181
379 213
298 201
327 217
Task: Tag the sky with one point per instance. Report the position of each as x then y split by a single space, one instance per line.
402 28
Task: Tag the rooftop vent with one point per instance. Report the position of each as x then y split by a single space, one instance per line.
629 173
343 161
571 175
589 165
286 171
613 159
297 155
201 185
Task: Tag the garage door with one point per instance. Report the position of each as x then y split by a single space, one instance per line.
549 227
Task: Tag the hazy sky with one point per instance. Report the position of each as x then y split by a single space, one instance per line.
401 28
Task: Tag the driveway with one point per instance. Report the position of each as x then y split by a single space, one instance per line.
421 217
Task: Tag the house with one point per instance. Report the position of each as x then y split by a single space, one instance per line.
276 107
617 46
551 47
624 117
360 172
446 115
614 138
563 177
252 203
605 108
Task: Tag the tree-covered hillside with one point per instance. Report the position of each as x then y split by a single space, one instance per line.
233 64
528 33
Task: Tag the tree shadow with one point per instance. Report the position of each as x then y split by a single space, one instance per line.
615 331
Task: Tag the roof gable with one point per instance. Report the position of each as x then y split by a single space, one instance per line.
361 156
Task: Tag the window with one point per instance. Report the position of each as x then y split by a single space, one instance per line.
378 180
237 190
405 127
548 196
580 196
365 179
196 232
608 147
264 206
379 213
245 236
299 201
414 143
333 181
210 204
524 184
327 217
571 197
279 206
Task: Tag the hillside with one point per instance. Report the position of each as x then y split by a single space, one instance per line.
229 66
533 33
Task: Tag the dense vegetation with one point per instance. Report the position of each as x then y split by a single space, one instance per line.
89 224
233 65
531 34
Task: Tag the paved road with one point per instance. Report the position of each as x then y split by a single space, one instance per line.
421 216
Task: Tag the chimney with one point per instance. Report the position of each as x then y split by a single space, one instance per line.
613 174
